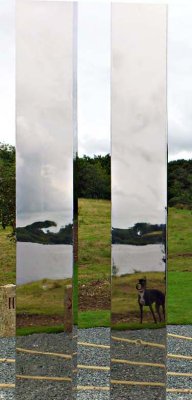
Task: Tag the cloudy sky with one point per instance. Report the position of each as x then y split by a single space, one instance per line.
40 95
7 71
44 83
94 76
180 81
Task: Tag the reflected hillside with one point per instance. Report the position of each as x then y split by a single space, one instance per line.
38 232
140 234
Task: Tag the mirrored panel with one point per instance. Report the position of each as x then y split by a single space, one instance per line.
44 198
138 201
94 204
7 201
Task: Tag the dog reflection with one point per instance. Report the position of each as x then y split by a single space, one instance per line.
147 297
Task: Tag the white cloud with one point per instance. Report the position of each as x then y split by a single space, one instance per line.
180 81
93 78
7 71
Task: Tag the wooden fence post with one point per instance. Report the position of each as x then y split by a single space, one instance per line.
68 315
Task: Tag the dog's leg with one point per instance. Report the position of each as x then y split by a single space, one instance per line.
157 307
141 313
153 314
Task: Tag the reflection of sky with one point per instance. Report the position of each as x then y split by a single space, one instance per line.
60 218
138 114
44 108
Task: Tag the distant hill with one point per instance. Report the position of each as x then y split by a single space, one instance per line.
180 184
33 233
140 234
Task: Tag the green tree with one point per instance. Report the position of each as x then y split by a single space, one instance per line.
7 186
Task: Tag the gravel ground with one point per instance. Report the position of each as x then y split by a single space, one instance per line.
182 347
97 357
44 365
32 364
7 370
140 373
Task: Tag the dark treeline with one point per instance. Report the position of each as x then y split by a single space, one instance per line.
34 233
92 180
180 184
93 177
7 186
140 234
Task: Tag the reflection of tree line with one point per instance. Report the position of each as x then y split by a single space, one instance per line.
34 233
140 234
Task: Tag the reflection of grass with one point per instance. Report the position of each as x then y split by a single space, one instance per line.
125 308
7 257
45 297
124 293
179 298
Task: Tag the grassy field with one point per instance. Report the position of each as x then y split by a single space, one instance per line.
94 233
179 266
180 240
7 257
94 275
94 260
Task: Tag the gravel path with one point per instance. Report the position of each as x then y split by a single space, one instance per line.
95 356
7 370
83 355
183 347
137 352
44 365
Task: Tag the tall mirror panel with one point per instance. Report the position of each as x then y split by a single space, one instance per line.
139 151
7 201
94 204
45 123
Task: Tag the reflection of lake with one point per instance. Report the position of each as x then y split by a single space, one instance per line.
37 261
129 259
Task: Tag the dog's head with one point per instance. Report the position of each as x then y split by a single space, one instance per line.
141 285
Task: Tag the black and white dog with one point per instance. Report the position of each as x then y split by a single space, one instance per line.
146 297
